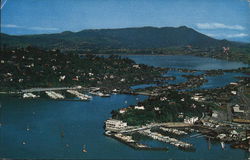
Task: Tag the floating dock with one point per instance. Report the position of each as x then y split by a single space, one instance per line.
80 95
167 139
30 95
54 95
132 143
173 131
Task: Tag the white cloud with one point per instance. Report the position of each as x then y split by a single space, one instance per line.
43 28
222 35
10 26
29 28
237 35
218 26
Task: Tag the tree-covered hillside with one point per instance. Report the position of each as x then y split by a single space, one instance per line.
129 38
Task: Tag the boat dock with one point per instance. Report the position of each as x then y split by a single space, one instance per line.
167 139
30 95
54 95
50 89
145 93
79 95
99 94
132 143
149 126
173 131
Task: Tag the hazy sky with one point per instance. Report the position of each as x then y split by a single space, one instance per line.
229 19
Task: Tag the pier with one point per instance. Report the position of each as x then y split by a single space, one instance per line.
132 143
167 139
149 126
124 132
50 89
146 93
173 131
99 94
79 95
30 95
54 95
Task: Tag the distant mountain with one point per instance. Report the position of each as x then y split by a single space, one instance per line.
132 38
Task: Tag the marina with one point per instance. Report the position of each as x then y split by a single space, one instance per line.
174 131
89 128
98 93
167 139
54 95
132 143
120 130
30 95
80 95
132 80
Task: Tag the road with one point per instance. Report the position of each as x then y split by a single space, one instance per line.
48 89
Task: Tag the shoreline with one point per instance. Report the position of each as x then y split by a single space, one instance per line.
183 70
138 54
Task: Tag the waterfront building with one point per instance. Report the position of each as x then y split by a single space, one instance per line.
234 92
237 109
156 108
115 125
191 120
122 110
136 66
215 114
139 107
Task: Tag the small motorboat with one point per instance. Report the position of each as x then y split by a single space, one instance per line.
84 149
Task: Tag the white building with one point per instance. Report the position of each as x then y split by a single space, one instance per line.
233 83
122 80
198 98
237 109
163 98
156 108
215 114
136 66
115 125
234 92
61 78
191 120
180 115
139 107
91 74
123 110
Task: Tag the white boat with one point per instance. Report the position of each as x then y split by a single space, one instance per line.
84 149
222 145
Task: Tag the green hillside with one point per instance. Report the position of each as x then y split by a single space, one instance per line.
129 38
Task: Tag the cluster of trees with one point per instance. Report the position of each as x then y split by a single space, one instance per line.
159 110
32 67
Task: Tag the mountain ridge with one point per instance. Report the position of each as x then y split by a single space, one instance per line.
131 38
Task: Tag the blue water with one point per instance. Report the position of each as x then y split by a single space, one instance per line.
216 81
82 124
188 62
221 80
179 76
202 151
193 63
143 86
